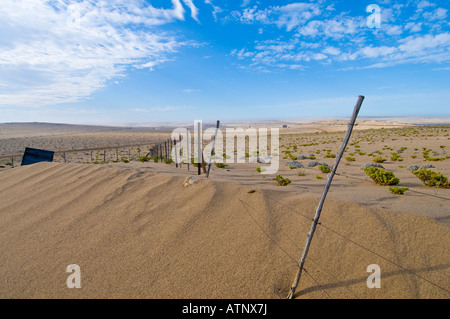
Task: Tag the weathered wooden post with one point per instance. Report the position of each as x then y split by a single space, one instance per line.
212 149
322 200
165 150
199 147
176 155
181 149
188 148
169 148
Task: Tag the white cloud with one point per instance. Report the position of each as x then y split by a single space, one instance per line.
334 28
319 56
438 14
250 15
216 9
423 4
242 54
332 51
245 3
63 52
423 43
289 16
375 52
393 30
414 26
193 8
320 34
421 49
293 15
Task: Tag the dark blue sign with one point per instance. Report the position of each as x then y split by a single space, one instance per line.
33 156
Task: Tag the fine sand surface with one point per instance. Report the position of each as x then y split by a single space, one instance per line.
138 233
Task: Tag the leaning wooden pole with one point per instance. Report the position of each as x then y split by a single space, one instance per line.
310 235
188 148
180 148
212 149
199 148
176 157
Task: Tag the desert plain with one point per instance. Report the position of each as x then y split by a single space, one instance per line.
136 231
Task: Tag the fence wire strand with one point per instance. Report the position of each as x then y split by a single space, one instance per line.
363 247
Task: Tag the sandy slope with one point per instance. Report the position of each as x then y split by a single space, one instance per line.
138 233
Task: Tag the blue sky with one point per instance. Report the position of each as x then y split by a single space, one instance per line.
136 61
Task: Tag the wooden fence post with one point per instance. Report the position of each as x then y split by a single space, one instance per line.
165 149
179 140
169 148
212 149
176 157
188 148
322 200
199 147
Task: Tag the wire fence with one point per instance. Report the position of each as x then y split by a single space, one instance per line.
342 236
162 152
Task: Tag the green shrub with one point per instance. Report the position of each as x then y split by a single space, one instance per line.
431 178
143 159
318 177
282 181
192 162
379 160
221 165
395 156
435 159
324 169
381 176
260 169
168 161
329 156
293 157
350 159
398 190
312 157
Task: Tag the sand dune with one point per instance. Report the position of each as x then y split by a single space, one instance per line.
138 233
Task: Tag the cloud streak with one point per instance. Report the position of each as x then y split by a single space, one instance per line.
58 51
